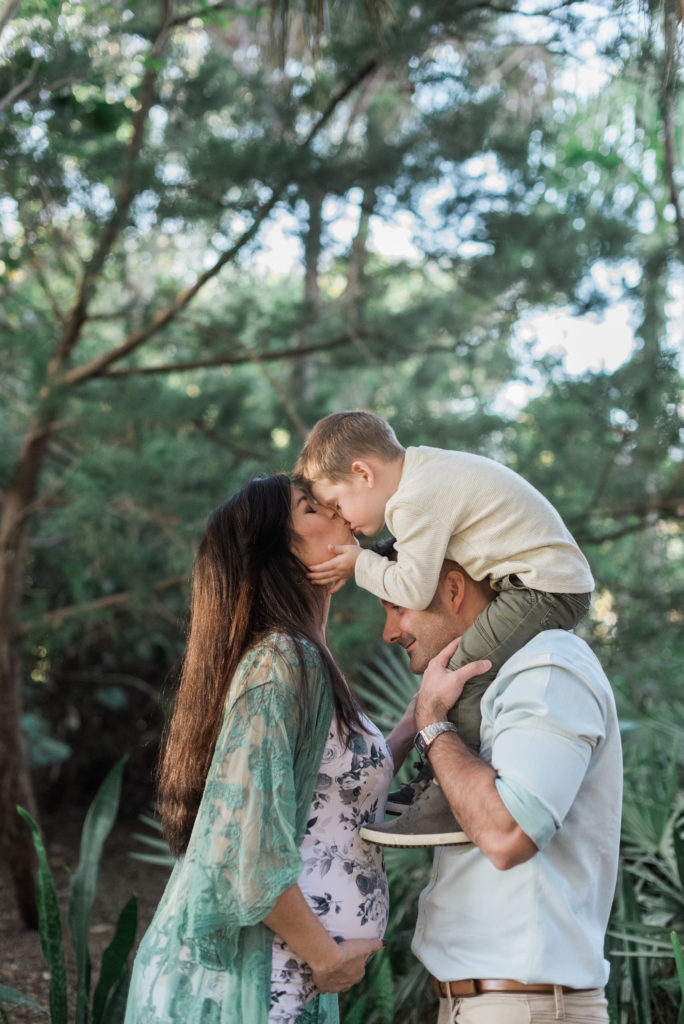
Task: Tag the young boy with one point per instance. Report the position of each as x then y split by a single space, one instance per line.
444 504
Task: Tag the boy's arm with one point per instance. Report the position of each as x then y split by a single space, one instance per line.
411 580
421 542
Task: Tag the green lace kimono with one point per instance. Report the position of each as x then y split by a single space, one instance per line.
205 958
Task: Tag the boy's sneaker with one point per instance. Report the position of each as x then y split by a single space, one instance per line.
401 799
427 822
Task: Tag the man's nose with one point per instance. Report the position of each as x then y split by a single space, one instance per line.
391 632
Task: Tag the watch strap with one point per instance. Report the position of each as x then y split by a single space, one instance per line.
426 737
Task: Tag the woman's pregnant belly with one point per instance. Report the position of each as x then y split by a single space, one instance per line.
343 878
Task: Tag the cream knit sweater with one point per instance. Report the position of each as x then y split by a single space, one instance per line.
480 514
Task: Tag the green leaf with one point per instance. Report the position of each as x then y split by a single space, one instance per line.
678 843
97 826
10 995
116 1007
50 926
679 962
383 987
358 1010
115 957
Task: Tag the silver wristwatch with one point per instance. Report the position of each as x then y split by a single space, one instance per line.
426 736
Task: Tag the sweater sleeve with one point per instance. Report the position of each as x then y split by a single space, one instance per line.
421 545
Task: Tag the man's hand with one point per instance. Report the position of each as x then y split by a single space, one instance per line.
349 966
336 570
441 686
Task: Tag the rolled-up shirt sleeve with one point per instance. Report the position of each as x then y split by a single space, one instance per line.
546 722
530 814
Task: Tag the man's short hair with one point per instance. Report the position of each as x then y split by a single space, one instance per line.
338 439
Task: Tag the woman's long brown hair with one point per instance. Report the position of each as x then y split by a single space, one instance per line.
246 583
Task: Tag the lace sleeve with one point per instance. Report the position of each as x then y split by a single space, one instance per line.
244 849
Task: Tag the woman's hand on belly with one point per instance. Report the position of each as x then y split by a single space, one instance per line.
335 966
349 966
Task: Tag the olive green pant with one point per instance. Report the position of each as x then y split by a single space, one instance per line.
507 623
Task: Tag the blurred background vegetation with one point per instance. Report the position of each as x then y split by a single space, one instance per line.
219 223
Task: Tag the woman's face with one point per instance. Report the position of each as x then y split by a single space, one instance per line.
314 527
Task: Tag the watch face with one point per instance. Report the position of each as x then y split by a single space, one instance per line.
423 739
420 743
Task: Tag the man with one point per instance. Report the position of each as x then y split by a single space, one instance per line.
511 927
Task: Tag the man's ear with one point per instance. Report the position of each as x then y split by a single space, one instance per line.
362 470
454 588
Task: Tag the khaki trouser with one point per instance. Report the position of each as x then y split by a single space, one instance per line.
588 1007
507 623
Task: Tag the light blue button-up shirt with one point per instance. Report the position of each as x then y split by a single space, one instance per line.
550 728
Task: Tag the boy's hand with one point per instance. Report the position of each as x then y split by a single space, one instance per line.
336 570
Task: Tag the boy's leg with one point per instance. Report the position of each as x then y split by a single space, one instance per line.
508 622
515 616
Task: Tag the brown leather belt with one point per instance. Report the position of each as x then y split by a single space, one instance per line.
475 986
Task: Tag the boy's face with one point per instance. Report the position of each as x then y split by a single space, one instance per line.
356 499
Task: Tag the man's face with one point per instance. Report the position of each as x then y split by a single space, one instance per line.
422 634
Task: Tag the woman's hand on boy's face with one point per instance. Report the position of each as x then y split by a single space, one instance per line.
337 569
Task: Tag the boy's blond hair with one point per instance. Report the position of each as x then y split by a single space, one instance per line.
338 439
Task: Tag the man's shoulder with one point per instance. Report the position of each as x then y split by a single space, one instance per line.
555 678
552 644
557 648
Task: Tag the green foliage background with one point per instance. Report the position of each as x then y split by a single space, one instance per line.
525 197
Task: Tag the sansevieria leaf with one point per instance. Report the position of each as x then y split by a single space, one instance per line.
11 995
50 925
97 826
115 958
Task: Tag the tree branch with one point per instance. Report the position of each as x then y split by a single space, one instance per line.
97 366
666 104
47 290
55 617
43 87
202 12
9 98
8 13
238 360
126 195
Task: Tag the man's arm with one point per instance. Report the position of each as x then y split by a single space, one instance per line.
468 782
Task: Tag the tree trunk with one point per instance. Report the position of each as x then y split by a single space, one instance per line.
16 788
304 374
358 256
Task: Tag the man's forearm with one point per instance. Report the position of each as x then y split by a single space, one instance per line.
468 783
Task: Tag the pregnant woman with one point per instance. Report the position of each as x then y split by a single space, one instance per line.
268 770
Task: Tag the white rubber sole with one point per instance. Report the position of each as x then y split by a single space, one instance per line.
372 835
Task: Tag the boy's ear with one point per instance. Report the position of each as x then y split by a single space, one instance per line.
362 470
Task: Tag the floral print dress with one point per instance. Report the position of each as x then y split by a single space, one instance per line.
343 878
